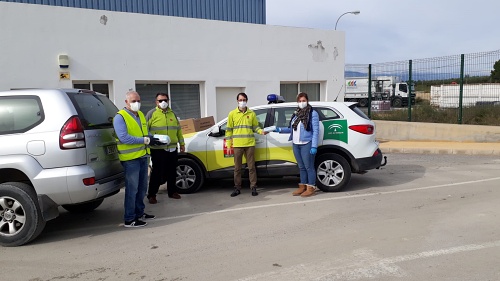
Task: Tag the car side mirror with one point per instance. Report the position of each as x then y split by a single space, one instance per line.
216 132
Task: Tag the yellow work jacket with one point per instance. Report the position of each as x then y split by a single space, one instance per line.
165 123
128 152
241 127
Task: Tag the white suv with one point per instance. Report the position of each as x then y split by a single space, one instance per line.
58 149
346 145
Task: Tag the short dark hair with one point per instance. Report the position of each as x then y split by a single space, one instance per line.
162 94
302 95
241 94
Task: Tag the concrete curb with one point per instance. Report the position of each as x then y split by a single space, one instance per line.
489 149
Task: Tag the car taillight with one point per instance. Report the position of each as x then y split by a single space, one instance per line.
89 181
364 129
72 134
376 153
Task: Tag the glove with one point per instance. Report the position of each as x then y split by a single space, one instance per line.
147 140
313 150
155 141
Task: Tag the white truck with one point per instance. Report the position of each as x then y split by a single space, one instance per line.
382 88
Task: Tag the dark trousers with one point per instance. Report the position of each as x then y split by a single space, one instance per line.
164 170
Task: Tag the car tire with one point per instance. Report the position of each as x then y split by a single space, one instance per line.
397 102
20 217
333 172
83 207
190 177
363 102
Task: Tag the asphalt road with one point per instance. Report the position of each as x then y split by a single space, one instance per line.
421 217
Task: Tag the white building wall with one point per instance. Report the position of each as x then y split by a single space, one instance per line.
137 47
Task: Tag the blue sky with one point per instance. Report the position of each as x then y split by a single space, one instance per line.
396 30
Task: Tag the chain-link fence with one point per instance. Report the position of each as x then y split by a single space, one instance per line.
461 89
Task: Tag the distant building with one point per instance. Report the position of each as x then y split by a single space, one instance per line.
200 52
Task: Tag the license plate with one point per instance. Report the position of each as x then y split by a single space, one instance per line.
111 149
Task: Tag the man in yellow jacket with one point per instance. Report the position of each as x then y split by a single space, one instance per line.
242 123
132 143
163 121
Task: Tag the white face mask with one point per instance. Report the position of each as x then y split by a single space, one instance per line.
163 105
242 104
302 104
135 106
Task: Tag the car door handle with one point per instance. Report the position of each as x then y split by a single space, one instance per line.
259 141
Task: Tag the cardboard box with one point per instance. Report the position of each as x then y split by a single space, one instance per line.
195 125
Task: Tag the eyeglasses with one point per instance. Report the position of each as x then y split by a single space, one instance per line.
162 100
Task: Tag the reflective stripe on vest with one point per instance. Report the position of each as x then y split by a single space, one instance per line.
127 152
160 123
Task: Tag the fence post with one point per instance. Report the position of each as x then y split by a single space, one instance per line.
370 91
461 93
410 82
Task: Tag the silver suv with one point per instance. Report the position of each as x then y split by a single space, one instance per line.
57 149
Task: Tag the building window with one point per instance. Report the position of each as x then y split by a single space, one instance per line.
184 98
290 91
148 94
100 87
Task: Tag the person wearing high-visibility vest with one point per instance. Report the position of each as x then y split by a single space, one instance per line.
163 121
242 123
133 151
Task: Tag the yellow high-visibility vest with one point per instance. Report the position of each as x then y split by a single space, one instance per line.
241 128
128 152
165 123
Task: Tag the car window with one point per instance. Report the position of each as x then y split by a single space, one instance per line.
95 111
20 114
326 113
282 116
261 117
359 112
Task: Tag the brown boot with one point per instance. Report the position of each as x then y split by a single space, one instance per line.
300 190
309 192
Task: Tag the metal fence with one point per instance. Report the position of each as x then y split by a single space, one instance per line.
458 89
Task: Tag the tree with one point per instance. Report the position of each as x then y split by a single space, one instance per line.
495 73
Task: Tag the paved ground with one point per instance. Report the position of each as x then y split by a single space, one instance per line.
421 217
466 148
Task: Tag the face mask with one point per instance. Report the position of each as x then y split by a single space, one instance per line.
163 105
135 106
302 104
242 104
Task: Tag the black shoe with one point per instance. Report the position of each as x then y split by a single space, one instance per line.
236 192
135 223
147 217
254 191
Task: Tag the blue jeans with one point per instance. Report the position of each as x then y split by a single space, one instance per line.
136 185
305 160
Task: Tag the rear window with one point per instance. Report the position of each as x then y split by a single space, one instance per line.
19 114
95 111
359 111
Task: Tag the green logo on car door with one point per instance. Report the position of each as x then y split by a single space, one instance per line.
335 130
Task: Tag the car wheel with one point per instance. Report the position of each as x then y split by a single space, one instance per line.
20 218
189 176
83 207
397 102
333 172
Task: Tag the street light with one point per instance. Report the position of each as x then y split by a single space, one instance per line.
352 12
